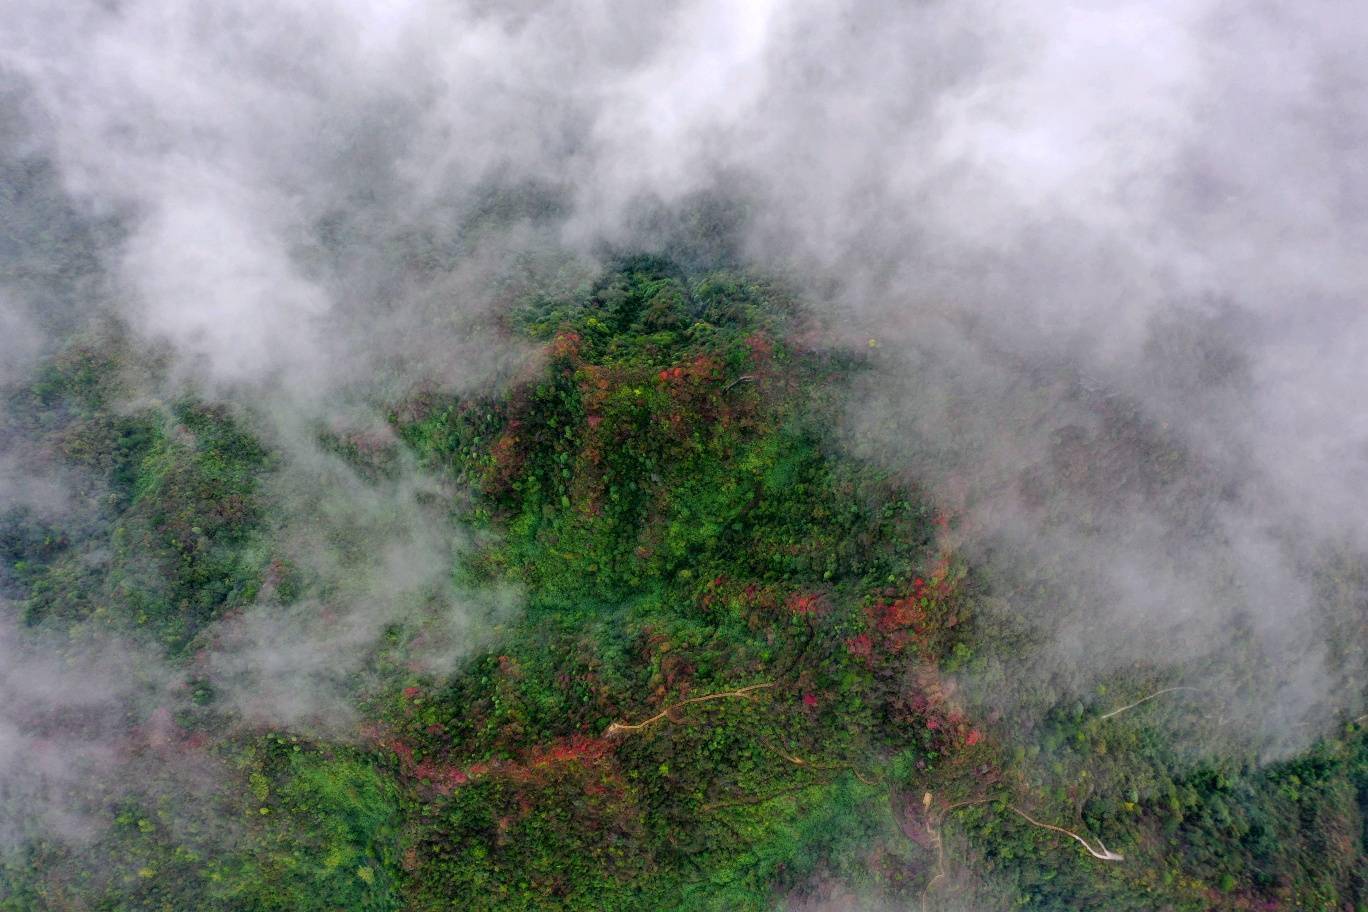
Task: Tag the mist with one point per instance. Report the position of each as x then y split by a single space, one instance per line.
1074 242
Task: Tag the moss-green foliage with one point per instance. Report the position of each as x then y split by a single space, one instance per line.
667 490
668 494
282 825
662 485
176 490
1214 837
326 835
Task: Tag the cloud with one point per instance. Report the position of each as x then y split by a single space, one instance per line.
1111 254
74 715
379 563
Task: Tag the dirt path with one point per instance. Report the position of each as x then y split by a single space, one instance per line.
742 693
1102 852
935 823
1157 693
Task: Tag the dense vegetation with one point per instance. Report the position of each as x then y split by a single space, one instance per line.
731 683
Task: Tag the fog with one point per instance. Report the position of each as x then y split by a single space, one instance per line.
1105 259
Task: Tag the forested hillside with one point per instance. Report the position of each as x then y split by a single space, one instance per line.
707 658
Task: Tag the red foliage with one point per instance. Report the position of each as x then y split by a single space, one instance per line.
508 457
403 751
566 345
574 748
713 592
805 603
443 777
761 348
897 616
904 621
704 367
904 627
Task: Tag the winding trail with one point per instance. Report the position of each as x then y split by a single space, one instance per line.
742 693
935 822
744 378
1102 852
815 765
